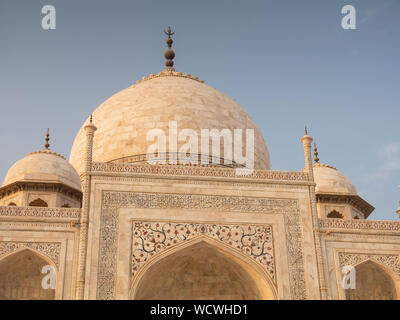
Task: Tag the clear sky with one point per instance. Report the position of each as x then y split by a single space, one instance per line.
287 63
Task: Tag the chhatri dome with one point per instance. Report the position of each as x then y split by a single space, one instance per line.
329 180
42 179
43 166
336 195
124 120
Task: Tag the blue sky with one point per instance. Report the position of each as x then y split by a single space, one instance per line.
287 63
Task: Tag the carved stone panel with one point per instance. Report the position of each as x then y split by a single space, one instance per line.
151 238
109 226
391 261
49 249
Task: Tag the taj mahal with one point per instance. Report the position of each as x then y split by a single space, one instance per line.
113 226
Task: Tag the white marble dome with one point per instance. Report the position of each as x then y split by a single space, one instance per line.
123 120
43 166
331 181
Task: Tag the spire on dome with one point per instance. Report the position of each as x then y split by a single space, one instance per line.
169 54
169 71
47 145
316 159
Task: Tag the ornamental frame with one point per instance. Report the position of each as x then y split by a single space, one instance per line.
390 261
153 237
49 250
112 201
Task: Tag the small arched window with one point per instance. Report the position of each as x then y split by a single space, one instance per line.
38 203
335 214
12 204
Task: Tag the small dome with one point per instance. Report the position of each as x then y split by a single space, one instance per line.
43 166
124 120
331 181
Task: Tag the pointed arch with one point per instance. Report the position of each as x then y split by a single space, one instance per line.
335 214
36 252
374 281
21 277
190 263
38 203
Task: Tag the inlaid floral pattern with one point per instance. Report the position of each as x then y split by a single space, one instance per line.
150 238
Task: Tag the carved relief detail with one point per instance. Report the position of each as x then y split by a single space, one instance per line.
273 185
151 238
49 249
359 224
40 212
180 170
112 201
391 261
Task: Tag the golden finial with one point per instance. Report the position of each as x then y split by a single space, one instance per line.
47 145
305 130
169 54
169 32
316 159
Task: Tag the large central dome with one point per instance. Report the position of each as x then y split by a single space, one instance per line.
124 120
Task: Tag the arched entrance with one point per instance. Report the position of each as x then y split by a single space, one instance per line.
372 283
21 277
202 271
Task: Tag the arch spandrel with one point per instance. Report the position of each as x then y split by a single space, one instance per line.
152 238
49 251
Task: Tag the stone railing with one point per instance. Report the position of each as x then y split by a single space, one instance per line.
178 157
182 170
62 214
341 225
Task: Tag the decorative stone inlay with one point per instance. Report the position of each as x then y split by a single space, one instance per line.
237 183
39 212
391 261
196 201
181 170
113 201
151 238
359 224
49 249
